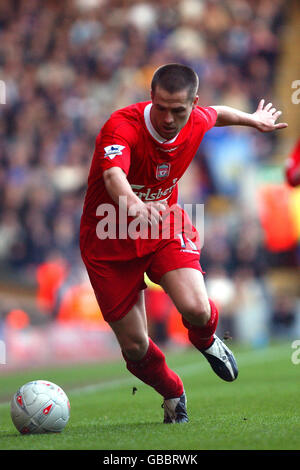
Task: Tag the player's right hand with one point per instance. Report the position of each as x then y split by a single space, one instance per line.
150 212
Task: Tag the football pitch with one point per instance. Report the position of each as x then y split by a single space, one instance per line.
259 411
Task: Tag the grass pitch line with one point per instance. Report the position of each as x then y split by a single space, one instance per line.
244 358
116 383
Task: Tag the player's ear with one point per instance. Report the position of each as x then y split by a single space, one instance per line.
195 101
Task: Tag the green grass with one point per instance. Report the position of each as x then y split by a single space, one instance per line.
259 411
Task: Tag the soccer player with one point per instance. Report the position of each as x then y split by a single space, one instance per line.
140 154
292 169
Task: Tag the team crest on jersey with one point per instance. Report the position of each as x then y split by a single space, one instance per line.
163 171
111 151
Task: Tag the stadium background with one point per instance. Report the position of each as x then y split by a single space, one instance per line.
66 66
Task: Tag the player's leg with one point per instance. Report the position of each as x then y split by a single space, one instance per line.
186 288
118 287
147 362
132 332
176 267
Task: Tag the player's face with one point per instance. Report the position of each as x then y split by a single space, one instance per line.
170 111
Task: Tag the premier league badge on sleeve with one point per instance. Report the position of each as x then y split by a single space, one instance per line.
111 151
162 171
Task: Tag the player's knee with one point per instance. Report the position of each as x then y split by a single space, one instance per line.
136 349
197 314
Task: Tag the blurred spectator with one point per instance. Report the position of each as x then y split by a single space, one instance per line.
221 288
17 319
283 317
50 276
158 308
68 65
251 308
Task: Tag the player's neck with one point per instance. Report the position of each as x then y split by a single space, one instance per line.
152 130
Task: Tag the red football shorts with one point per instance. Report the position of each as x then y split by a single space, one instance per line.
117 284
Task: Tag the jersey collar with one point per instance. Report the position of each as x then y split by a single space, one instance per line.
151 129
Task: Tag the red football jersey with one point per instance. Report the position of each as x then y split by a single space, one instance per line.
293 166
153 167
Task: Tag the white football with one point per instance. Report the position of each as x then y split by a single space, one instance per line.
39 407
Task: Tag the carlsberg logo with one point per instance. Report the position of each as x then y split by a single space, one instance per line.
146 194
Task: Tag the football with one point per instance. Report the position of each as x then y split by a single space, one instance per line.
40 407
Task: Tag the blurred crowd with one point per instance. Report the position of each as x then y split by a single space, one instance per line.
67 65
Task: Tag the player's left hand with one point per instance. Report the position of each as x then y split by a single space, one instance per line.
266 116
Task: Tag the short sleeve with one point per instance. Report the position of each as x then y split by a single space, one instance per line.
209 116
114 144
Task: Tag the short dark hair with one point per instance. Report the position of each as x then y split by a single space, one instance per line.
176 77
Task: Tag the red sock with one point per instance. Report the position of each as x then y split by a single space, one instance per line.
152 369
202 336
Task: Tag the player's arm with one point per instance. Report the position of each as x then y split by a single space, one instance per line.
264 118
117 185
121 193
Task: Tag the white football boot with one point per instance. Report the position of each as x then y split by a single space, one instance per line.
222 360
175 410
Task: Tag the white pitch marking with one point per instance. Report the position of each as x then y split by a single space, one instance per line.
243 358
